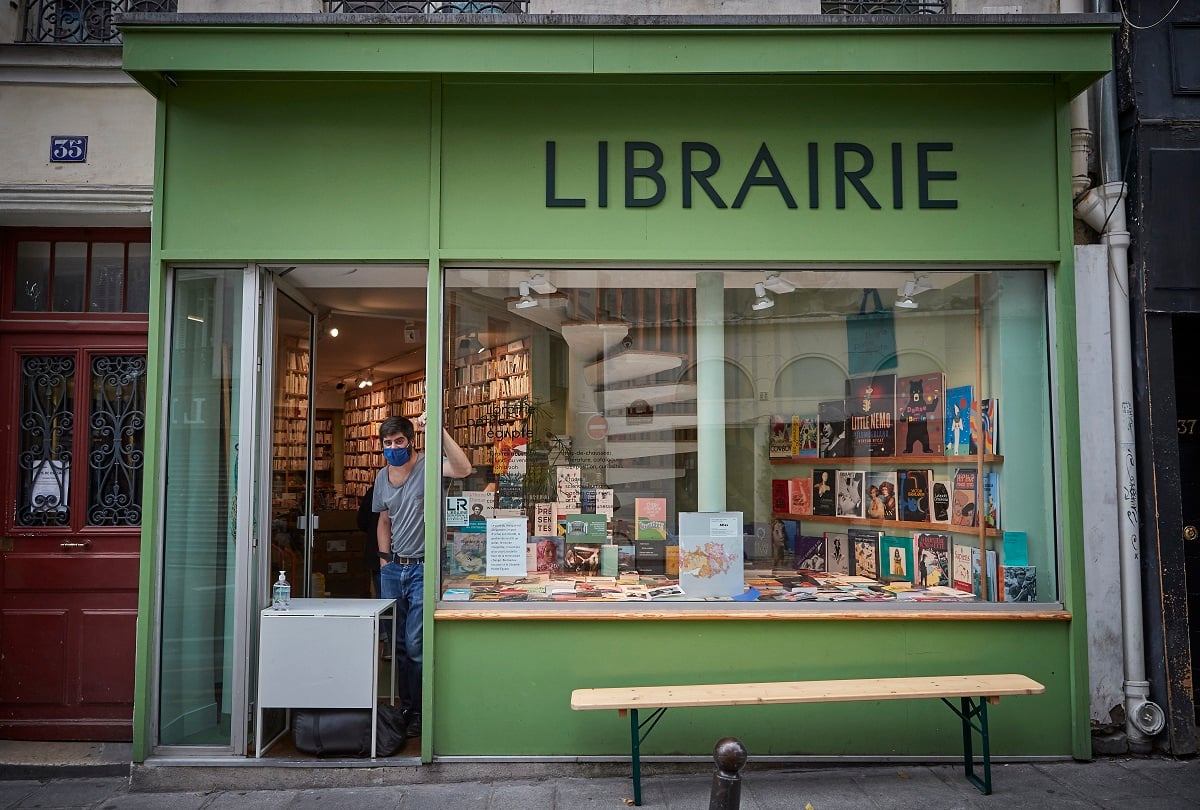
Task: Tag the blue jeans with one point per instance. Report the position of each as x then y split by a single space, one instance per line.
406 584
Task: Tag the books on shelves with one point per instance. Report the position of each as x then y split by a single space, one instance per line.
837 552
914 495
550 553
976 576
850 493
832 439
895 559
939 497
961 421
780 496
989 425
824 496
864 545
870 413
780 438
710 554
920 414
963 509
481 505
1020 583
932 553
810 552
784 533
799 496
650 516
990 500
881 495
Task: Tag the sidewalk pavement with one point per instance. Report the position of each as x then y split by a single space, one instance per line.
1139 783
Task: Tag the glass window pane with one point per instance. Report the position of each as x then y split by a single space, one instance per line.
116 424
200 529
107 280
46 432
32 280
70 273
797 436
137 279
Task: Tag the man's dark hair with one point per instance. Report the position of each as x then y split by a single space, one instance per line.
397 424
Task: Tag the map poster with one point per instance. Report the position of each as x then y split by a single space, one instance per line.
710 554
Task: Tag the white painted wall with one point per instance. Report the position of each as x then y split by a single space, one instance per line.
1098 462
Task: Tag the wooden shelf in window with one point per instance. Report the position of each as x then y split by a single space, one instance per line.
875 523
913 462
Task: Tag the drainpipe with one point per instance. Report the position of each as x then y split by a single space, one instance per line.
1103 208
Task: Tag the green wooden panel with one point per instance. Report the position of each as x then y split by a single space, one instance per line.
524 707
297 170
1003 141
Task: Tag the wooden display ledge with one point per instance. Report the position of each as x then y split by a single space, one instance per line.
913 462
741 611
876 523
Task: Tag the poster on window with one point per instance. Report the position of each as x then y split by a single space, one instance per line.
48 488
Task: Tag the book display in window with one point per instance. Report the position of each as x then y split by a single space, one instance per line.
832 439
920 414
895 558
932 553
870 414
850 493
864 545
914 496
824 492
962 423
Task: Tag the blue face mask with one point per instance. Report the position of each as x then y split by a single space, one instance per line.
396 456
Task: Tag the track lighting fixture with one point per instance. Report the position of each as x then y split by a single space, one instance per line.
526 300
906 302
761 299
367 381
330 328
778 284
914 286
541 285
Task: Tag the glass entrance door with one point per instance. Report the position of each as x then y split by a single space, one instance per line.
290 330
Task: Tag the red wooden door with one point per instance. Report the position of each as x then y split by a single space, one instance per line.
71 488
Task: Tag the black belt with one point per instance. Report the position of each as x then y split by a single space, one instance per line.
396 558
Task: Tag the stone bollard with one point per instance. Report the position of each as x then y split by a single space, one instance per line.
730 756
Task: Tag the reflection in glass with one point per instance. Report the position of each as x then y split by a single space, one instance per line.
31 282
116 427
137 280
107 280
70 275
200 522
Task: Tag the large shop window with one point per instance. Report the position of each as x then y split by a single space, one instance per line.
794 436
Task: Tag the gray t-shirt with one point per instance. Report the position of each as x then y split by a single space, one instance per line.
405 506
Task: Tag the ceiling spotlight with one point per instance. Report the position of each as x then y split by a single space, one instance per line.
914 286
906 302
541 285
778 284
526 300
761 300
330 328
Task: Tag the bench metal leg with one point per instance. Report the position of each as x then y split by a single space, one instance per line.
637 737
968 711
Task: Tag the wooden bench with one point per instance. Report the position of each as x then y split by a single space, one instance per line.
974 692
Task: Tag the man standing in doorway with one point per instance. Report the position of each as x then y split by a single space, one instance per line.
400 501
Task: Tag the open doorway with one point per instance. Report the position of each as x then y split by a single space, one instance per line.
346 347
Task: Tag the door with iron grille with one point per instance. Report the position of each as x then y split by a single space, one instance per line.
72 492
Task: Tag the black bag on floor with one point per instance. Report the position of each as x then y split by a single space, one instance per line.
347 732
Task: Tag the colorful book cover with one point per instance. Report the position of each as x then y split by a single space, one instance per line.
864 544
881 490
871 414
780 498
976 576
939 497
989 425
1016 548
810 552
960 416
805 436
960 567
582 558
626 559
550 553
671 560
569 482
824 497
990 498
481 505
1020 583
468 554
914 495
544 519
650 515
781 437
710 554
851 493
964 499
511 491
837 552
784 533
895 559
510 454
933 559
831 429
920 414
800 496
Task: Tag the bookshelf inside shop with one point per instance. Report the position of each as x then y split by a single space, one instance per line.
289 456
488 399
364 411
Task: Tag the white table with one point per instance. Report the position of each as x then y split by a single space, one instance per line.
321 654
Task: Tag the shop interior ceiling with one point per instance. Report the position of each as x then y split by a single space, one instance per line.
379 309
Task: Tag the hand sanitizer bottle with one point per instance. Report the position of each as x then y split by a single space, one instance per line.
281 593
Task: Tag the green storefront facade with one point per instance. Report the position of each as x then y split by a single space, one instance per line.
655 145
